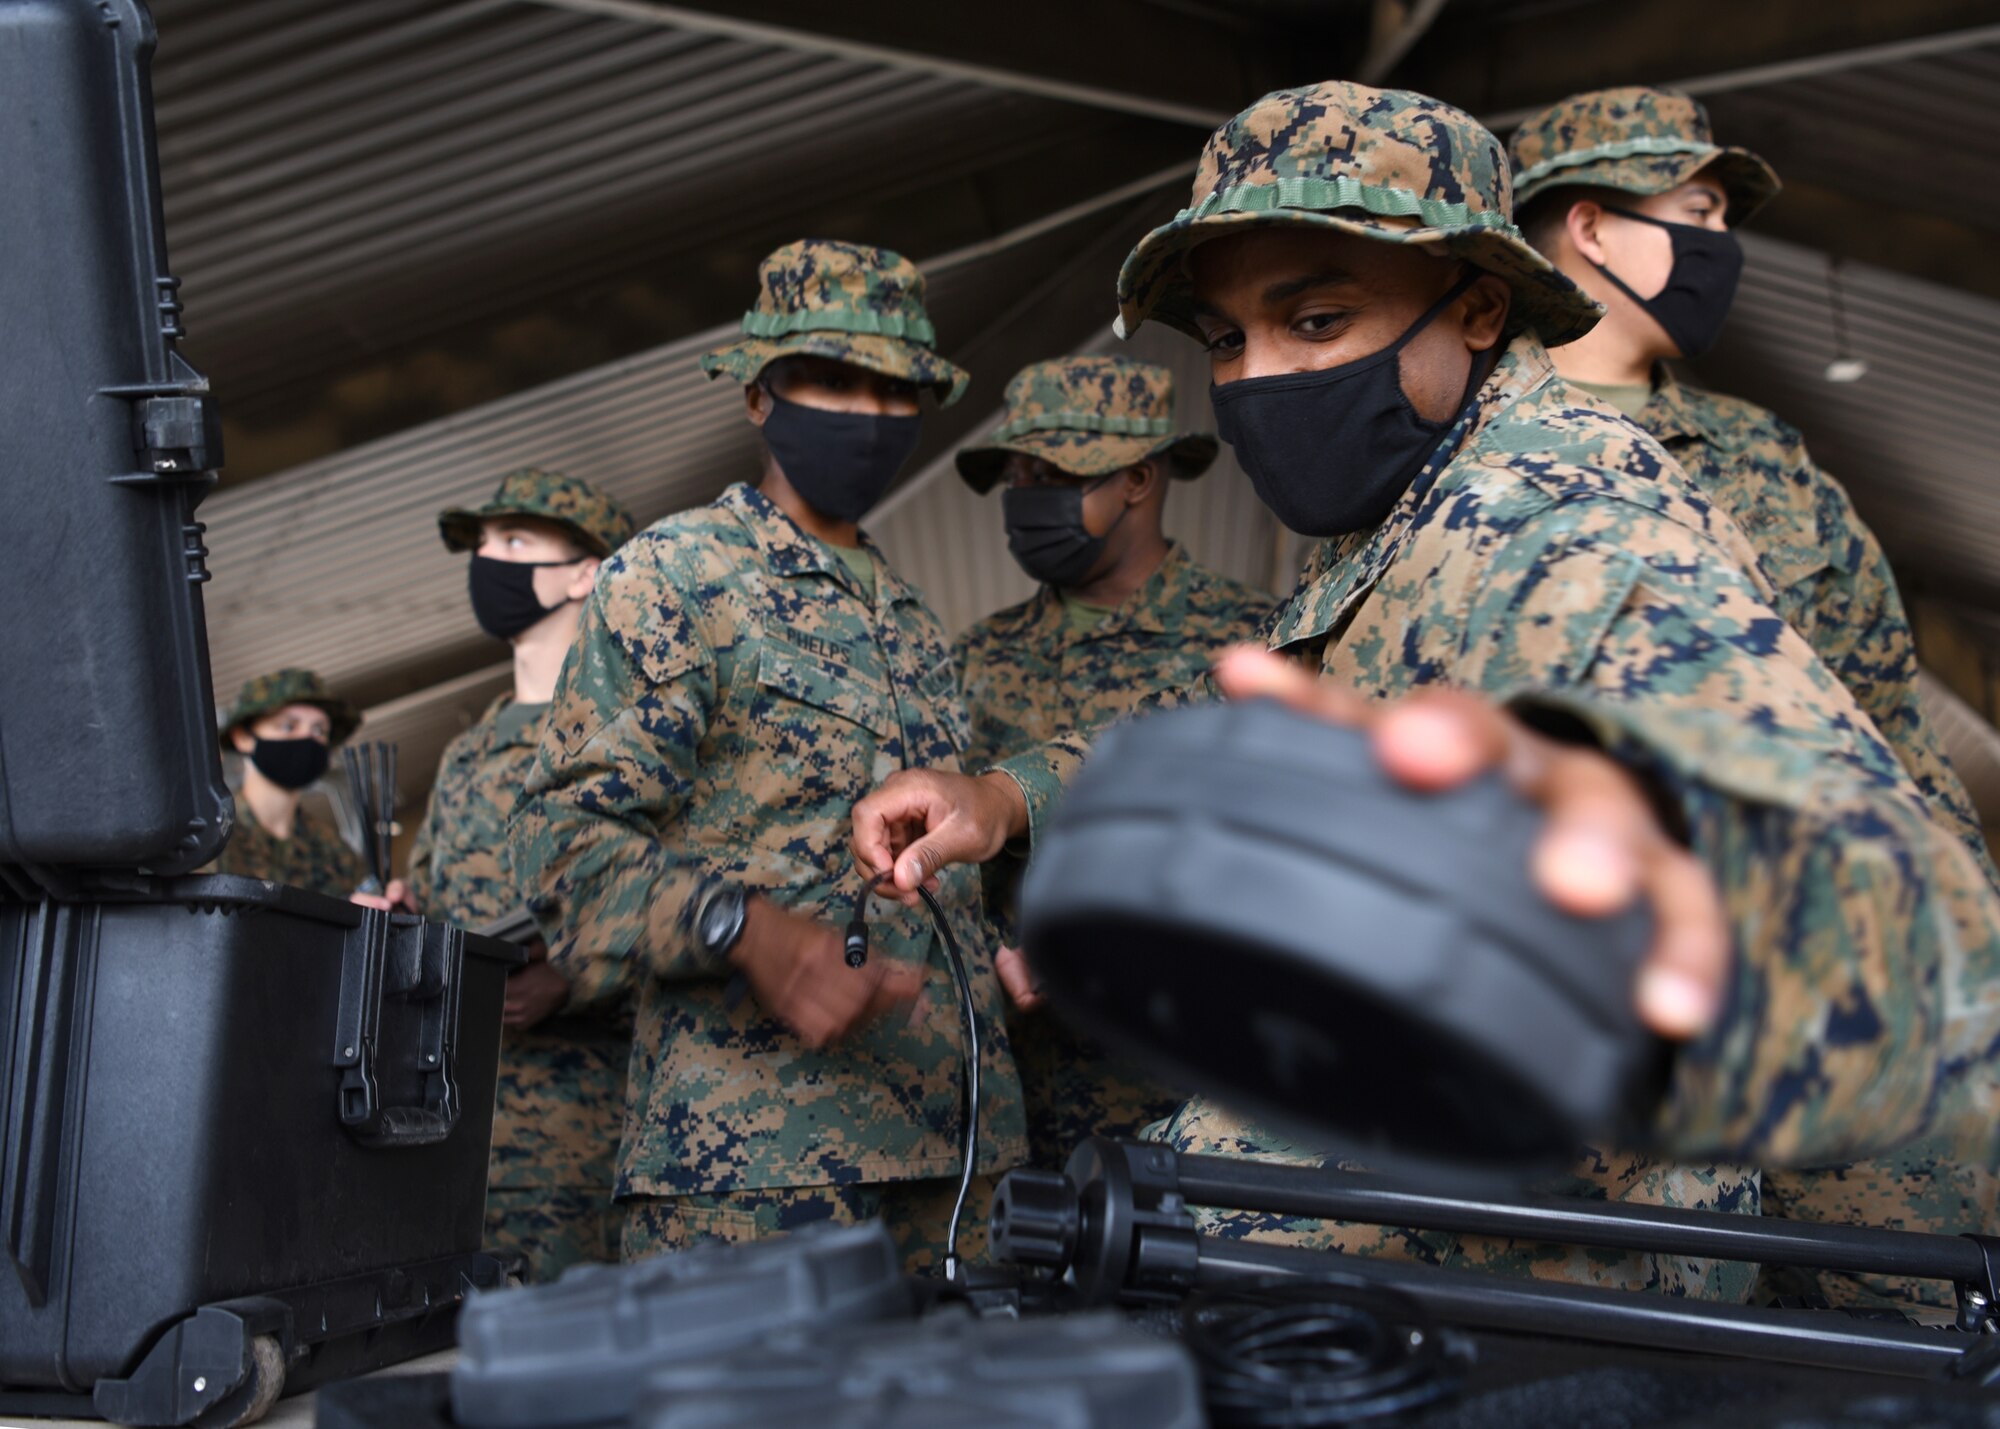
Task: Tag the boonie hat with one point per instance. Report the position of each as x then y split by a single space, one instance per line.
1089 416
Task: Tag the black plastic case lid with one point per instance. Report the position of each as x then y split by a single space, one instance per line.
577 1352
1240 894
1089 1371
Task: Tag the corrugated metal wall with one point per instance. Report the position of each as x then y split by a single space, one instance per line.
1917 440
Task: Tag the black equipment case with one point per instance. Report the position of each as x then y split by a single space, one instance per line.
235 1111
246 1127
109 441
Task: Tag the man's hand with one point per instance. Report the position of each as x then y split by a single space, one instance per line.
535 992
1012 965
1602 847
396 898
798 970
923 820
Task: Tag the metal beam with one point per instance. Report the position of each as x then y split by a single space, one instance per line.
1805 67
1191 68
1507 67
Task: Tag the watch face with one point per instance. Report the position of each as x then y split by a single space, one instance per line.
718 917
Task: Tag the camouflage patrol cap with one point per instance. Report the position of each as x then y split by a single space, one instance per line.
266 694
1386 164
1637 140
1090 416
596 522
844 301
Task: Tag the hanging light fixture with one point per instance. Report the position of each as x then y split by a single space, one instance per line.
1845 367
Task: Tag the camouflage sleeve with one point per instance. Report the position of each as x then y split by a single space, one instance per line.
616 764
1874 654
1044 770
422 858
1865 999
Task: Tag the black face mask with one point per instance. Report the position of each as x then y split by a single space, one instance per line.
503 594
1332 451
840 462
1701 285
1045 531
289 763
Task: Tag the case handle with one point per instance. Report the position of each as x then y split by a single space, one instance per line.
396 1034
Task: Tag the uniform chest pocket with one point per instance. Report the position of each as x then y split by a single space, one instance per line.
787 675
942 699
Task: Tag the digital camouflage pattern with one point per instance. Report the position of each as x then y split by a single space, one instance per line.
731 694
593 519
1089 416
916 1213
1029 676
1552 556
843 301
267 694
314 858
1381 163
1836 588
1638 140
1926 1186
1204 1127
1832 582
560 1103
1833 585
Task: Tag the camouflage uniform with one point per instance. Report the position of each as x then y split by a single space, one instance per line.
560 1102
1030 675
1553 556
1833 585
1832 582
313 858
733 691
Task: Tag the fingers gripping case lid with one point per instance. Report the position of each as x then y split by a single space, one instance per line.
577 1352
1240 895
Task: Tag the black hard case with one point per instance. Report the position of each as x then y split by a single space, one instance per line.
578 1352
1086 1371
108 757
245 1095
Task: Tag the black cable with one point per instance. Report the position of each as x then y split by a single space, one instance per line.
1300 1352
969 1127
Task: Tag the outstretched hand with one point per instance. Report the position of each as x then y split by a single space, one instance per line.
1602 848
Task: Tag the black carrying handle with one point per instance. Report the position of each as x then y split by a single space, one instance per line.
397 1028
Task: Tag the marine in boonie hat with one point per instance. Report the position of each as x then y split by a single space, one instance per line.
1089 416
266 694
1636 140
596 521
1386 164
844 301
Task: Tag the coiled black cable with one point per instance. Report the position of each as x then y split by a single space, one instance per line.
968 1012
1302 1351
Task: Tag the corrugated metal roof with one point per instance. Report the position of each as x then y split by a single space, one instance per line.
342 176
1914 134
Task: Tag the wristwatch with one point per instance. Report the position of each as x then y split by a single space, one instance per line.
718 922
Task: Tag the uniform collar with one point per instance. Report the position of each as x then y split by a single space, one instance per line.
1142 610
1044 619
1344 566
790 551
527 736
1676 413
